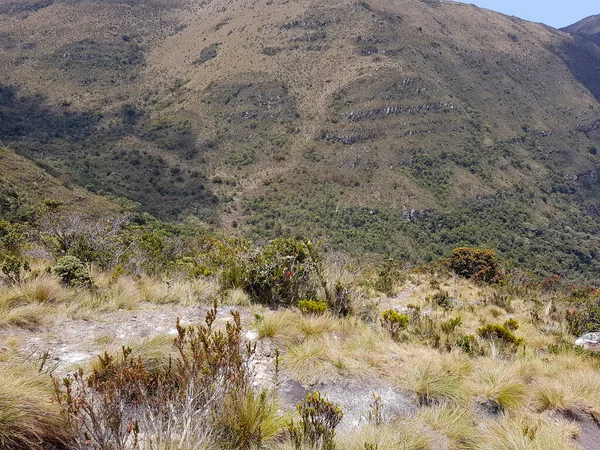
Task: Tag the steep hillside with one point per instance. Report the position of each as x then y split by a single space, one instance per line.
588 28
402 128
26 188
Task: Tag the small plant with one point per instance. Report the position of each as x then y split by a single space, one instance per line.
511 324
442 299
375 414
318 419
72 272
315 307
501 336
394 322
500 300
450 325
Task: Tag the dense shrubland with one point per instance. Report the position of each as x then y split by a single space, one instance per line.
483 351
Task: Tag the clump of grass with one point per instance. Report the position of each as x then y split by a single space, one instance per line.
317 325
456 423
554 394
432 383
45 289
307 361
28 417
406 435
183 292
29 316
280 325
527 432
250 419
236 297
495 383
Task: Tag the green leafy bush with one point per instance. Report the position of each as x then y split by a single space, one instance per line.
442 299
318 419
394 322
72 272
585 318
13 268
312 306
500 337
282 273
450 325
476 264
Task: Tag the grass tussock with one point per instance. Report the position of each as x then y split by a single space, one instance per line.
495 382
529 432
409 435
456 423
28 417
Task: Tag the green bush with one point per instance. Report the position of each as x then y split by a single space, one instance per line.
394 322
312 306
13 267
476 264
585 318
501 336
72 272
282 273
450 325
442 299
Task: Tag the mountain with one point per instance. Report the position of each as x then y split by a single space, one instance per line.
401 128
588 28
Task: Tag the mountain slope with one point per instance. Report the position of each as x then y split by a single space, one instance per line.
402 128
588 28
25 188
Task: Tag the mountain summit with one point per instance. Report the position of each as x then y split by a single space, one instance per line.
588 28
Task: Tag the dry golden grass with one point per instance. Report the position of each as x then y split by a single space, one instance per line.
28 417
407 435
456 423
498 382
529 432
178 291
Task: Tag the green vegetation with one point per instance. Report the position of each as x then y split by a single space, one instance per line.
207 54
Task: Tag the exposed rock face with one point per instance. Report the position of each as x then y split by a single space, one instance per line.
589 341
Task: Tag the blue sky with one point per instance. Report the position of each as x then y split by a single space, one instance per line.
556 13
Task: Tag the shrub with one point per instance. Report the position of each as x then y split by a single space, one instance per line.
394 322
318 419
312 306
178 405
585 316
338 301
72 272
12 237
282 273
511 324
500 335
476 264
450 325
12 267
442 299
